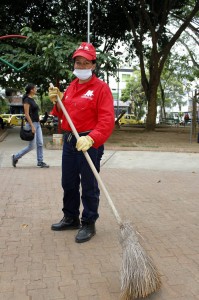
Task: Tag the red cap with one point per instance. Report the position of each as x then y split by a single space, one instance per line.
86 50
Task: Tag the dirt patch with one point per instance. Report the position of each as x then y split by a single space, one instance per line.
171 139
175 139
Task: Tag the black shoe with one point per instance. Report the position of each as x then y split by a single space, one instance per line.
67 223
86 232
42 165
14 161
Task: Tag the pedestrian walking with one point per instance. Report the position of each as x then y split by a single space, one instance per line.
31 111
89 102
186 118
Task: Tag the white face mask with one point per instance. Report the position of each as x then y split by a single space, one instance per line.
82 74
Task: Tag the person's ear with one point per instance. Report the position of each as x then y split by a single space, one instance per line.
93 67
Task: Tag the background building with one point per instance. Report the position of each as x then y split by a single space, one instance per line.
116 86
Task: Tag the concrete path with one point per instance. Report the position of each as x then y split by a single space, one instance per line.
157 192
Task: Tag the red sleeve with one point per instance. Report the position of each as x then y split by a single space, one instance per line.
54 111
106 117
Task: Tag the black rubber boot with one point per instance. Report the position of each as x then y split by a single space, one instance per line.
86 232
67 223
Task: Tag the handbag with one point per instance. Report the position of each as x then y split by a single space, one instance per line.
26 135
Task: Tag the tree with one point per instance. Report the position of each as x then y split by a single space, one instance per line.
172 86
171 93
37 14
148 21
48 56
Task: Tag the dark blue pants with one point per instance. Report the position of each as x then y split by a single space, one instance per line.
76 170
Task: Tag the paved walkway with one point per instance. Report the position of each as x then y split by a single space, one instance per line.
158 192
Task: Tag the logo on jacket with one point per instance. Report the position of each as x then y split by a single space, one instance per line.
89 95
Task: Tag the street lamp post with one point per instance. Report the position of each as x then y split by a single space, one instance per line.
88 22
118 82
118 89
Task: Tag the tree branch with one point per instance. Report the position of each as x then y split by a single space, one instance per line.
168 47
190 53
138 43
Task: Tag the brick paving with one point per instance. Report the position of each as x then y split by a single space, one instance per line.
39 264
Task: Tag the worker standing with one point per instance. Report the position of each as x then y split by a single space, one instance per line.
89 103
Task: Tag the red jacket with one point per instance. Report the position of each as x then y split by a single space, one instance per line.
91 107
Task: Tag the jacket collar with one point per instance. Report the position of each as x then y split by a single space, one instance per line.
91 81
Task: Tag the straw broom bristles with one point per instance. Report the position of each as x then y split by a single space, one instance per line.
139 276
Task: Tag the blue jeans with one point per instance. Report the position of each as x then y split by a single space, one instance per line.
37 142
76 170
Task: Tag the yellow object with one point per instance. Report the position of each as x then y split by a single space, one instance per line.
6 118
84 143
53 92
12 120
129 119
16 120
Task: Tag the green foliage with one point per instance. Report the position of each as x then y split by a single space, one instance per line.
174 81
48 56
107 65
45 104
38 15
3 105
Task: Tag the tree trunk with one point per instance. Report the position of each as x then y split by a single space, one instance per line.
152 105
151 115
163 112
193 123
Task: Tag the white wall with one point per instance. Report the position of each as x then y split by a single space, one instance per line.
119 86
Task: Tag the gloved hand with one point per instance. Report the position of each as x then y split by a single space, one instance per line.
84 143
53 92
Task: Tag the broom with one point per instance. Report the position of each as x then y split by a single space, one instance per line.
139 276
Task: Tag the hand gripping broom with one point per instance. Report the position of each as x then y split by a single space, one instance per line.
139 276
